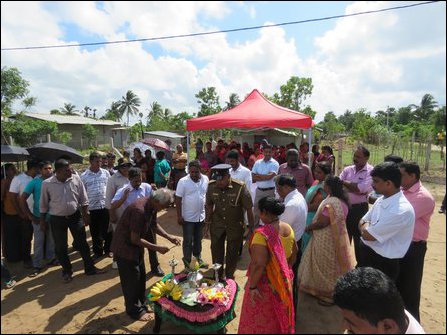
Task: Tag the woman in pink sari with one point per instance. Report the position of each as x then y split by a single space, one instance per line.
327 255
267 307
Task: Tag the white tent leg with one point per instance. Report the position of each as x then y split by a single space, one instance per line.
310 148
187 146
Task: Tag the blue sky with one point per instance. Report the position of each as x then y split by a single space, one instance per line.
369 61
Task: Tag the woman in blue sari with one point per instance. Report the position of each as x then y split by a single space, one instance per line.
315 195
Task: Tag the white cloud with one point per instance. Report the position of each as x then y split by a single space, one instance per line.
369 61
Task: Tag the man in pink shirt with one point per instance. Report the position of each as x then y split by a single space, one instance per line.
412 265
301 172
358 182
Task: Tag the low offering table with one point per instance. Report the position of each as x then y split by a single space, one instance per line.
203 317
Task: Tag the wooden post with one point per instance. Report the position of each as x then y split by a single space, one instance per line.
411 145
340 157
48 137
427 154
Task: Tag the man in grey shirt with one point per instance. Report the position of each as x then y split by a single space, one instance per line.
62 195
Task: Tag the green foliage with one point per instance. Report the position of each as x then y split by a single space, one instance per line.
294 92
309 111
89 133
233 101
135 132
63 137
27 132
13 87
347 120
29 102
113 112
331 126
209 101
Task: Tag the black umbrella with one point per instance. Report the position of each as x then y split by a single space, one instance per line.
12 153
51 151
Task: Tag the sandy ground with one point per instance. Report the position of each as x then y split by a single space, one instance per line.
44 304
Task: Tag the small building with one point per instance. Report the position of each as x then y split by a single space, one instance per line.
107 129
165 135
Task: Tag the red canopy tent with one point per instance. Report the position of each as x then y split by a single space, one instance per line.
254 112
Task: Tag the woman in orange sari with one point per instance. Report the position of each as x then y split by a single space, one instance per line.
267 307
327 255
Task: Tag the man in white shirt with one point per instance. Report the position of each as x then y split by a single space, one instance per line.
237 170
117 180
294 214
190 198
387 229
371 304
263 172
95 183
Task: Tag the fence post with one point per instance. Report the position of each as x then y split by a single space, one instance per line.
427 154
411 145
340 156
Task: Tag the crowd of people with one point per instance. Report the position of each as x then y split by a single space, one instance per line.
299 221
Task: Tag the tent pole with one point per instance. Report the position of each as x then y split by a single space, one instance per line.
310 148
187 146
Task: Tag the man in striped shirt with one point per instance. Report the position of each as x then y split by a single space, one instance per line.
95 182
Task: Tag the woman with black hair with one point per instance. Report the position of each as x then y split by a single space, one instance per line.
268 300
327 255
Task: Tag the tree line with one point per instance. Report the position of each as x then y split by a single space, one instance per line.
423 119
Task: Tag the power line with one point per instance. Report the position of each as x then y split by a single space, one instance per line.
218 31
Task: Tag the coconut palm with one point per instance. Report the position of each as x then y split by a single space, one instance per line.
112 113
69 109
128 105
426 109
234 101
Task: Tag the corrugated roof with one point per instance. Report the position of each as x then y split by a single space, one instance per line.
164 134
71 119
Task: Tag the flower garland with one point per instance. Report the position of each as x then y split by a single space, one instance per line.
217 296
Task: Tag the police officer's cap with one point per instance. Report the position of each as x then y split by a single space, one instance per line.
220 170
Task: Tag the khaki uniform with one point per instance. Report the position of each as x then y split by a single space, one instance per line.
227 222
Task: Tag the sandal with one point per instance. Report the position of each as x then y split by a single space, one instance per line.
145 317
10 283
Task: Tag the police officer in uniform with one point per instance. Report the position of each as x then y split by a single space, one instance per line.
226 201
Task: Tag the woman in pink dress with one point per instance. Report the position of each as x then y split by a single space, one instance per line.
268 306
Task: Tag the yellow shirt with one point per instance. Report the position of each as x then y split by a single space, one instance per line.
182 156
287 241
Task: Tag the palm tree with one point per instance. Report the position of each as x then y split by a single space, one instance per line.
86 110
112 113
128 104
166 114
427 108
234 101
69 109
155 111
